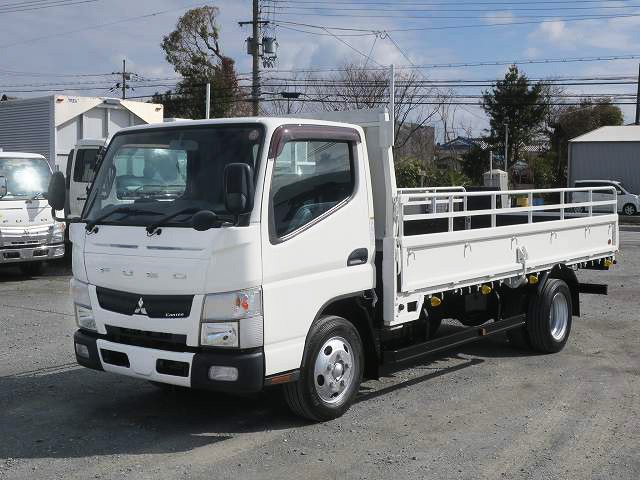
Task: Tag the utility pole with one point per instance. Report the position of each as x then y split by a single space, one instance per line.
255 53
256 49
207 106
638 99
506 146
122 85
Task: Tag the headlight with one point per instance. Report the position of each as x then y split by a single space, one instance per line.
82 305
223 334
57 234
84 318
232 319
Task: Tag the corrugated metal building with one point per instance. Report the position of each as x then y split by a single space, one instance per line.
607 153
52 125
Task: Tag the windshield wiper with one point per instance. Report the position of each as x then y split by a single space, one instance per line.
125 209
151 229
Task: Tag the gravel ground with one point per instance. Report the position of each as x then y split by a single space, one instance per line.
484 411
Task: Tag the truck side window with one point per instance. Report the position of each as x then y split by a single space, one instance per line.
85 165
310 177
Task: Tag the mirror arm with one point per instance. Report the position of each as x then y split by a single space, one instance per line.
57 219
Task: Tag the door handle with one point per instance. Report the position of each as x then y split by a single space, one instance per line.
358 257
81 198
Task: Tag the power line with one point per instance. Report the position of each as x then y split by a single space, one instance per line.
448 27
102 25
491 63
398 8
431 3
51 4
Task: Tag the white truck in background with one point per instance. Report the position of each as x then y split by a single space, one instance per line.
246 253
29 235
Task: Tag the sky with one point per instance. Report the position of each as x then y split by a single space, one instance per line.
57 41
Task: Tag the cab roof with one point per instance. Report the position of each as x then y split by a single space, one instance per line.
20 155
269 122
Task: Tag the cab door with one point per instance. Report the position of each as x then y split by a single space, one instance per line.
80 176
317 233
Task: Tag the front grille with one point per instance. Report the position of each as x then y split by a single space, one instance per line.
140 338
153 306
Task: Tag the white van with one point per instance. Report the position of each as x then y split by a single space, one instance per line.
28 233
628 203
79 175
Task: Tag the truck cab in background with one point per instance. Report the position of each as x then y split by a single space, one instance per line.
79 174
29 235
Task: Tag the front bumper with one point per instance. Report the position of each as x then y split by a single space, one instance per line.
186 369
31 254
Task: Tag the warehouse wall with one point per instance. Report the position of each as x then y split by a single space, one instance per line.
605 161
26 126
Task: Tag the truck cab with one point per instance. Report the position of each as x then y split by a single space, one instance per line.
240 254
29 235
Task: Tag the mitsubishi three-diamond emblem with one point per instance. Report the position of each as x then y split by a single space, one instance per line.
140 310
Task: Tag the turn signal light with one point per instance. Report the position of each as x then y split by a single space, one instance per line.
607 263
435 302
486 289
533 279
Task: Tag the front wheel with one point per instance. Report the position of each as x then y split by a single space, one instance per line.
331 371
549 317
629 209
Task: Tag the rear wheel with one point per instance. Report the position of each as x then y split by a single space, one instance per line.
331 371
629 209
32 268
549 317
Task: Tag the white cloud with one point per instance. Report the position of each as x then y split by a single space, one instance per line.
618 34
504 17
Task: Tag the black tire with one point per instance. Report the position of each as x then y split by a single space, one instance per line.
302 396
32 268
629 209
548 323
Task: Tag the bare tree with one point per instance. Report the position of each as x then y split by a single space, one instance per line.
355 87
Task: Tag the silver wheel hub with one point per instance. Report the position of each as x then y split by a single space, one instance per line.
559 317
333 370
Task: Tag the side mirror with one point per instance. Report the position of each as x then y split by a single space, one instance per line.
204 220
238 188
3 186
57 193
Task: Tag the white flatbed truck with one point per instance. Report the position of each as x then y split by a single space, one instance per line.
239 254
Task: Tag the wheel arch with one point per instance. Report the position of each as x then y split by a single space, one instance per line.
357 309
563 272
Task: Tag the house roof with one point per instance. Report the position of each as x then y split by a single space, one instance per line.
626 133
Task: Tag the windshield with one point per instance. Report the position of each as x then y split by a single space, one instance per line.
167 170
26 177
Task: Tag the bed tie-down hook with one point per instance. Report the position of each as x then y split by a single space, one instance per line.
521 257
467 245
